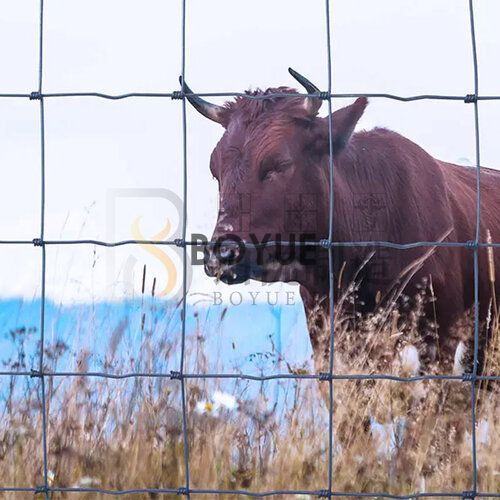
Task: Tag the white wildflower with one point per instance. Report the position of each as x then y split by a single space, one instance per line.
220 401
410 360
483 431
22 431
204 407
87 481
458 362
225 400
50 477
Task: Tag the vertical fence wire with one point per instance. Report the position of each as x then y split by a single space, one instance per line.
477 237
330 376
184 254
41 375
331 278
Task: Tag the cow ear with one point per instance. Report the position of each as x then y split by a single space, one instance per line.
343 122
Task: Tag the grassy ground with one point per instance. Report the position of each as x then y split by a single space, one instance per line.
121 434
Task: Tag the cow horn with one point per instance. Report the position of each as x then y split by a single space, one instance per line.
311 104
207 109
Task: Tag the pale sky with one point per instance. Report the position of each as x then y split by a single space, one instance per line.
94 146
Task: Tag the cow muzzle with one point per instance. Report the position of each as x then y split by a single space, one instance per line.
223 259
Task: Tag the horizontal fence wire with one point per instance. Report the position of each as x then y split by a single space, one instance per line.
469 98
328 244
466 495
324 376
320 243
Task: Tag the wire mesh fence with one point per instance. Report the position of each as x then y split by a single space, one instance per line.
328 245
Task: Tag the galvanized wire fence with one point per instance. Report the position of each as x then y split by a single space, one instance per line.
329 245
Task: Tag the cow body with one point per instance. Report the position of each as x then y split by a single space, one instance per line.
387 188
272 166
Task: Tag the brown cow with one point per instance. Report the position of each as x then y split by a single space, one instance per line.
272 166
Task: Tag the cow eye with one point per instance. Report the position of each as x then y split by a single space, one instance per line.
270 170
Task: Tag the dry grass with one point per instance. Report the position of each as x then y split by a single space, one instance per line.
120 434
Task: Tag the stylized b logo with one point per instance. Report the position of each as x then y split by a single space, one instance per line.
165 261
158 253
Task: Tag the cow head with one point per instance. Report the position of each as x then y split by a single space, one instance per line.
272 168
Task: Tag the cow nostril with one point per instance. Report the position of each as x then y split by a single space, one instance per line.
228 252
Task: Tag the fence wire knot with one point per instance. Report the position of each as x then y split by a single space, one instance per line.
175 375
35 96
469 495
325 376
468 377
471 244
179 242
324 494
324 96
177 94
38 242
182 491
39 490
35 373
470 98
325 243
